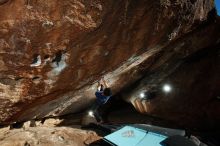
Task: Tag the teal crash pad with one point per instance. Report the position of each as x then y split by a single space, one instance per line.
131 136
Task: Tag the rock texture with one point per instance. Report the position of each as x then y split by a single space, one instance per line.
47 136
53 52
193 100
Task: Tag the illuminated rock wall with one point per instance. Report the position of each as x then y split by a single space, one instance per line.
53 52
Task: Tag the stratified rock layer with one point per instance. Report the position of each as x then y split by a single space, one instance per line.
53 52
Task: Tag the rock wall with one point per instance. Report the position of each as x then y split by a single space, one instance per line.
53 52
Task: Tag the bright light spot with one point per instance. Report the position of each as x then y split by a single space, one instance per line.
142 95
91 113
167 88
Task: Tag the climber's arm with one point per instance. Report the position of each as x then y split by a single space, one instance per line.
105 84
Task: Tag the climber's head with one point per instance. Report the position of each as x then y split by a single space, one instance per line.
107 92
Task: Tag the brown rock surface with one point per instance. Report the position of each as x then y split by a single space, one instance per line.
47 136
53 52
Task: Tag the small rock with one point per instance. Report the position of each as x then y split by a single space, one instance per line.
61 138
26 125
51 122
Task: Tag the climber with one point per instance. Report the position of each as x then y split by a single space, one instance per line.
102 94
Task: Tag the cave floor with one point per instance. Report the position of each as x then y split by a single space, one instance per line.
118 114
122 113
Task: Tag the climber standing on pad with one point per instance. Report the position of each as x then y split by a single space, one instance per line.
102 94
